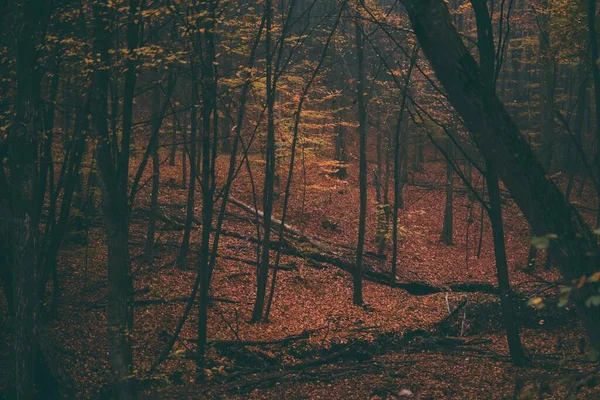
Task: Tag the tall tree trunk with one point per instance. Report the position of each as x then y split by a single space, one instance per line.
297 118
173 154
485 44
115 211
20 200
149 248
573 161
362 175
269 184
593 39
448 227
506 299
191 147
209 150
547 87
400 163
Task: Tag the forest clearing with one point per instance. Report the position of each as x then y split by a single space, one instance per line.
299 199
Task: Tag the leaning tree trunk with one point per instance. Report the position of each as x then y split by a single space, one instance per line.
575 250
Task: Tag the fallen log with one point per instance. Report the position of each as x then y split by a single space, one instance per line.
222 343
282 267
277 224
414 288
150 302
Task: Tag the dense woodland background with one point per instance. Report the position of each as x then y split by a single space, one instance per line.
299 199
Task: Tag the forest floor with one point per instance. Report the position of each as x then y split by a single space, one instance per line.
317 344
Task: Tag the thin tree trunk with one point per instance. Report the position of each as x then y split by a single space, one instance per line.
115 210
506 299
362 131
485 43
269 183
448 227
573 162
400 164
593 39
209 108
297 119
149 248
189 218
173 140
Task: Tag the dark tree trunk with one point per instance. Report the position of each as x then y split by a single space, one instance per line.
269 184
173 154
574 152
448 227
113 176
362 132
547 87
400 164
20 202
184 151
209 150
149 247
191 147
506 299
593 39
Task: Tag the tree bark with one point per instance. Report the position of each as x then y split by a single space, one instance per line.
269 184
593 39
448 227
115 210
362 132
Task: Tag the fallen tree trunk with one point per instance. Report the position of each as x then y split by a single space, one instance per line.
414 288
275 223
283 267
152 302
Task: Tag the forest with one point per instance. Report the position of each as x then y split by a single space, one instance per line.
299 199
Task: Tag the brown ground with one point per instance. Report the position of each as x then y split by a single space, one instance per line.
373 356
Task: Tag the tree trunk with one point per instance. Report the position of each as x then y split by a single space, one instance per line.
506 299
400 163
485 44
448 227
115 210
269 184
547 86
20 201
593 39
362 132
209 150
574 161
149 248
173 154
191 147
